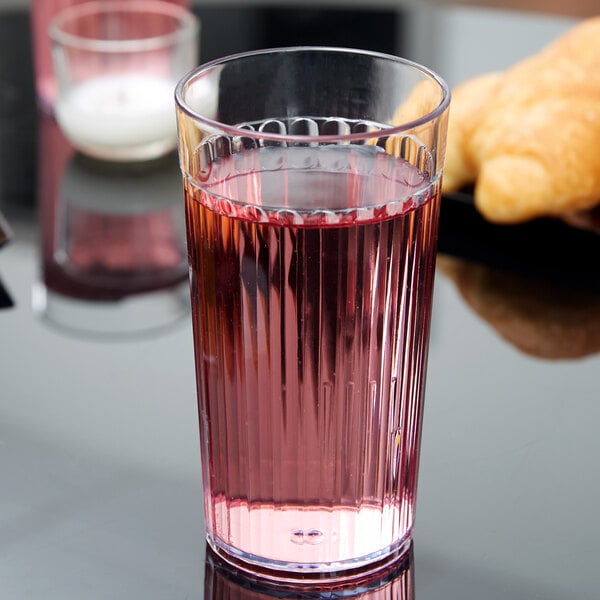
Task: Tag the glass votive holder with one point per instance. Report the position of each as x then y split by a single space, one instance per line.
117 63
41 14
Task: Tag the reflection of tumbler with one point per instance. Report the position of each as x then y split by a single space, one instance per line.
394 583
42 13
312 206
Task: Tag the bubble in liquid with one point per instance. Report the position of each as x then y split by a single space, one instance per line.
314 536
310 536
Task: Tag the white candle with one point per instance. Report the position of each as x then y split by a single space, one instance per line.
118 116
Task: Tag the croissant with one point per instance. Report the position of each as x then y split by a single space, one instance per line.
528 138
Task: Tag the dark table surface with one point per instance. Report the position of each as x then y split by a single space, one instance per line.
100 490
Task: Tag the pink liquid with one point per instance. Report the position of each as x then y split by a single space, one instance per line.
311 330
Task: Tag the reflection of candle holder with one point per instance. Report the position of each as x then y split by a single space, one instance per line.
395 582
121 225
117 63
113 240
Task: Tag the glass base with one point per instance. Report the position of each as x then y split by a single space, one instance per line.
287 572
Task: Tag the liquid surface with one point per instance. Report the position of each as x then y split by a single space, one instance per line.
311 331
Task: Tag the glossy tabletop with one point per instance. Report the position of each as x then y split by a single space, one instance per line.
100 487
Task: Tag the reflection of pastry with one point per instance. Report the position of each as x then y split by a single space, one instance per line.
539 319
528 137
584 219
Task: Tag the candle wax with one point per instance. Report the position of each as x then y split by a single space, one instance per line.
118 111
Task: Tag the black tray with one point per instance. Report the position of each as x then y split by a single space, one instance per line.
547 249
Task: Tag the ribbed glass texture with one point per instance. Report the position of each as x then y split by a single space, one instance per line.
311 331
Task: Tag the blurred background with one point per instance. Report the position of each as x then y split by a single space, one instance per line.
455 40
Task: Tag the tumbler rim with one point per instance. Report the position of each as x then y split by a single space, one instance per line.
240 131
188 26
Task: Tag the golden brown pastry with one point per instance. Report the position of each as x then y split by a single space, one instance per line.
469 101
423 99
529 137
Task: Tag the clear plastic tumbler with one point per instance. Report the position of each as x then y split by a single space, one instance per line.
312 189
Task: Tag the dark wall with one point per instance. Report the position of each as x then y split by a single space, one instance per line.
233 29
17 111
